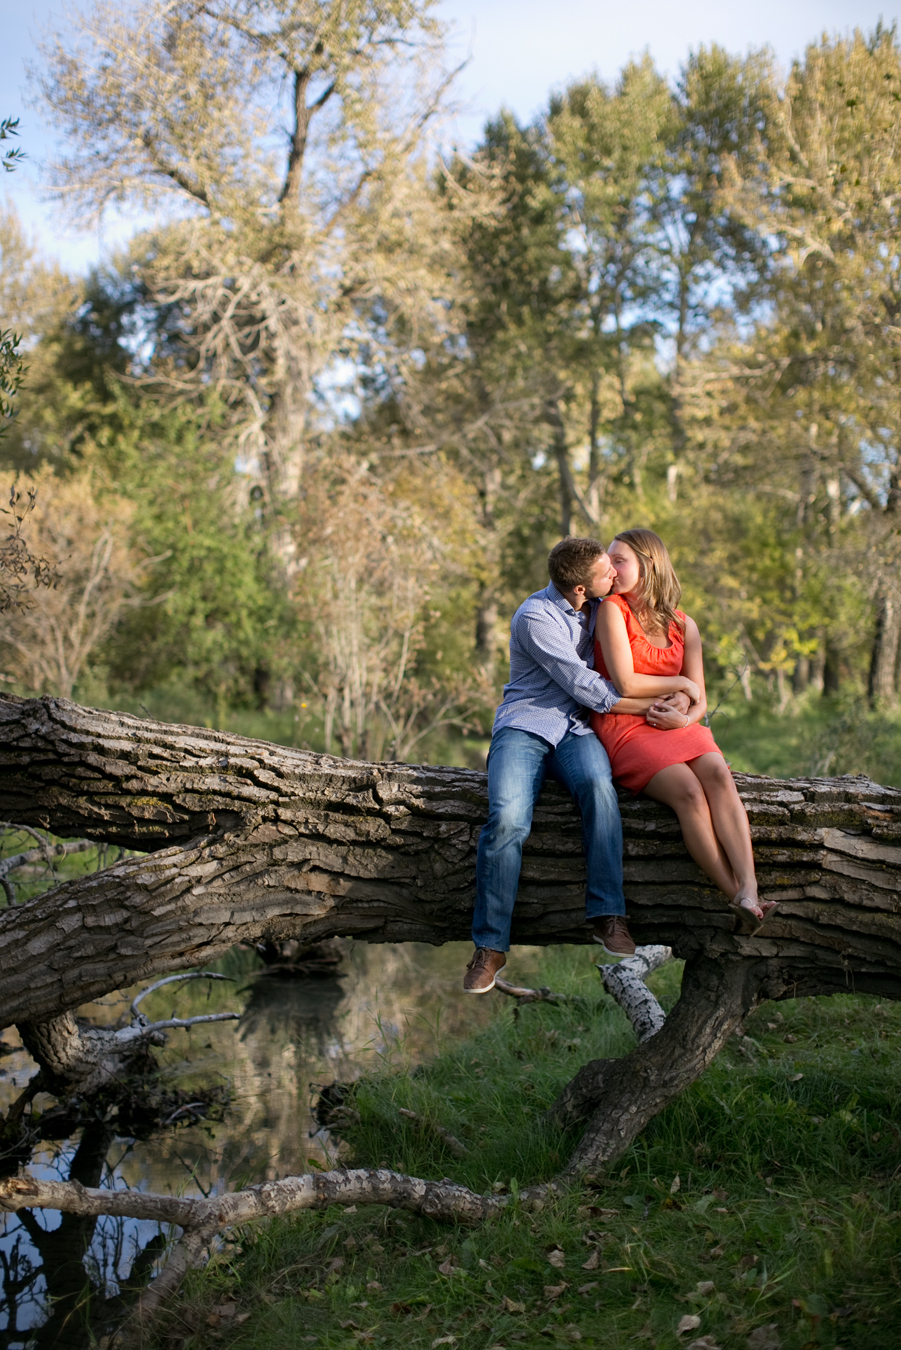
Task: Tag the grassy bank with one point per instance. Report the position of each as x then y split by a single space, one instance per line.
764 1204
817 737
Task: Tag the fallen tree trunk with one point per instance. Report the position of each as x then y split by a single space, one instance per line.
249 841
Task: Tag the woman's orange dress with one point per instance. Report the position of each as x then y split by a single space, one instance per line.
637 750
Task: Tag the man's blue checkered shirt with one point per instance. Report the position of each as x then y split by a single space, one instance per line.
553 683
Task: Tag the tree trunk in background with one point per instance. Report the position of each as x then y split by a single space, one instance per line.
801 675
884 657
486 627
566 487
486 606
831 669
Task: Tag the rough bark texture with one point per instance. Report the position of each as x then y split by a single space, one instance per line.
617 1097
202 1219
316 1190
254 841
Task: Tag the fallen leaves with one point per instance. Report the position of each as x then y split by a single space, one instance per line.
510 1306
444 1340
765 1338
554 1290
593 1260
703 1343
557 1257
449 1266
690 1322
226 1312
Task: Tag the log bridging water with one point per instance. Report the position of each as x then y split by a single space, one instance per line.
248 841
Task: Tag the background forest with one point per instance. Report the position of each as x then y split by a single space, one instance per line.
302 450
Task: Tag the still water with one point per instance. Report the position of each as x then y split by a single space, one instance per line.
391 1007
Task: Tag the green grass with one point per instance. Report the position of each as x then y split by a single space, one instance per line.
35 878
764 1202
815 736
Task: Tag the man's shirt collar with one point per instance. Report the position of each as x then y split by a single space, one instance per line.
560 600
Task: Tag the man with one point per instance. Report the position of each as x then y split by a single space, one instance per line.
541 728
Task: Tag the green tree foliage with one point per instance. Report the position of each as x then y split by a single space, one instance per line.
352 391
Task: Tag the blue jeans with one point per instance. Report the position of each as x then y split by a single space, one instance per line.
518 763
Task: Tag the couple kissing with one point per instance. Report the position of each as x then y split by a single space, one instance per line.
606 687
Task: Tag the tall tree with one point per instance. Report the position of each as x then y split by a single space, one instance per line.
828 356
706 259
604 146
280 239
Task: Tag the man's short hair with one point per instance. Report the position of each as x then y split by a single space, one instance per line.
571 562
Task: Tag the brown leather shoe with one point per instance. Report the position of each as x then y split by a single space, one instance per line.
612 933
483 967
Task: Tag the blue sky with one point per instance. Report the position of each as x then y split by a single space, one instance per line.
519 50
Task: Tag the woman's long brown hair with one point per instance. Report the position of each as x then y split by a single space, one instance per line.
659 586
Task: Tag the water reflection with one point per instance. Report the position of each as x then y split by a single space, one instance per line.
392 1005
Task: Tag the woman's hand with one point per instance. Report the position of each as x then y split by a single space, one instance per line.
664 717
692 689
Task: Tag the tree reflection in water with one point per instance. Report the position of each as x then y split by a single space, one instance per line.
64 1277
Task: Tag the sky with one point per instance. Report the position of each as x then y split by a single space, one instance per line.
517 50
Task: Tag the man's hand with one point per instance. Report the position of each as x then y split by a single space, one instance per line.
681 702
641 707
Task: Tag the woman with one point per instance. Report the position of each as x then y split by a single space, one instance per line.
667 754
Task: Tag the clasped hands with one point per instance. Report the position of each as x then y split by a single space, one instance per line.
669 714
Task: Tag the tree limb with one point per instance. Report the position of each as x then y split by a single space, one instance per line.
625 982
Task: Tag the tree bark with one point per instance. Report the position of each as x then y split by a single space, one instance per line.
254 842
202 1219
618 1097
885 648
625 981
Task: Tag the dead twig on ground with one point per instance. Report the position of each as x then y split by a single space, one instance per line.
450 1141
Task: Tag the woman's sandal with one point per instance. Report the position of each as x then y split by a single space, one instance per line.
765 906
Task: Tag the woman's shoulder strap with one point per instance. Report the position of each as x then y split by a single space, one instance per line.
619 601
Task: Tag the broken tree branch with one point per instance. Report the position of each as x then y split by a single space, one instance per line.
523 994
625 982
202 1219
83 1059
450 1141
45 852
173 979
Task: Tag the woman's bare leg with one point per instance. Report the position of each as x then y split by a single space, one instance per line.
730 822
682 789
